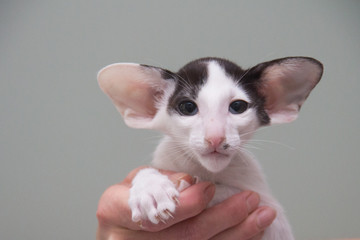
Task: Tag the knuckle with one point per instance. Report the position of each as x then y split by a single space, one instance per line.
107 205
102 210
102 215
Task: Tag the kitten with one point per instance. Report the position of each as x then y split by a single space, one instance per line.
207 110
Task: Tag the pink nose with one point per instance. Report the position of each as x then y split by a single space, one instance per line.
214 141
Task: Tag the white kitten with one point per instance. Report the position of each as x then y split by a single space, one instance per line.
207 111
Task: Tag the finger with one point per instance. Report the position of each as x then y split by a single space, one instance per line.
116 198
113 205
252 227
257 222
113 209
192 201
220 217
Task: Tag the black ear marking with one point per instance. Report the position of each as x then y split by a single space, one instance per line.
284 84
165 74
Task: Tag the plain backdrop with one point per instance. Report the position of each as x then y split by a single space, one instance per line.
62 143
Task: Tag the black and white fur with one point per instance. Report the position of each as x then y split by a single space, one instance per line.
207 110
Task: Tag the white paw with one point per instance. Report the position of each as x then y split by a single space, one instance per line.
153 196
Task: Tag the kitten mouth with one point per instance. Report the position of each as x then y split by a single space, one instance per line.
216 154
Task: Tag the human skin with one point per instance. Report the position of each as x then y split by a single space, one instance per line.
238 217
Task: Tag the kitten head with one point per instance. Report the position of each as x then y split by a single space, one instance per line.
211 106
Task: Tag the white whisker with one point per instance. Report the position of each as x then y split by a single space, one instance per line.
254 141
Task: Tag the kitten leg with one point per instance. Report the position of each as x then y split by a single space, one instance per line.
153 196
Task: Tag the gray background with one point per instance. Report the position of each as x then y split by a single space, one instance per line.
62 143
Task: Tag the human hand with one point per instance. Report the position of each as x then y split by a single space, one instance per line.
237 217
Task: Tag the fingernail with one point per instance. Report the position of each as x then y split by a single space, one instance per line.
182 185
209 192
265 217
183 182
184 177
252 201
196 179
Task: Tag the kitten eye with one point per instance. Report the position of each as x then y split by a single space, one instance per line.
238 106
188 108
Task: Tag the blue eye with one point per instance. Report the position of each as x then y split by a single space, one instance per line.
238 106
188 108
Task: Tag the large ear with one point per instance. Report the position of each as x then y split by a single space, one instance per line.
135 90
286 83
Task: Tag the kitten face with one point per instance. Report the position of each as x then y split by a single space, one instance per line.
211 106
211 114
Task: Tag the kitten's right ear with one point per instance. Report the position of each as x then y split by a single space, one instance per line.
285 84
135 91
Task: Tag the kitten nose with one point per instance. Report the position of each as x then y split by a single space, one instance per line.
215 141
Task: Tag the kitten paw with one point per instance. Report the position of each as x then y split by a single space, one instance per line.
153 197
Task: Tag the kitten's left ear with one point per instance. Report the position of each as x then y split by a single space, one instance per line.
135 91
286 83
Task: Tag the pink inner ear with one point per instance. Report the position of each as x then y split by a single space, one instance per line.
138 97
134 90
127 87
286 86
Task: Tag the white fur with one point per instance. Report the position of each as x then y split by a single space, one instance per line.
184 149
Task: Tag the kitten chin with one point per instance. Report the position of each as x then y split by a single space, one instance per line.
215 162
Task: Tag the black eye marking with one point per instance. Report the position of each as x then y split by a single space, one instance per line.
188 108
238 106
